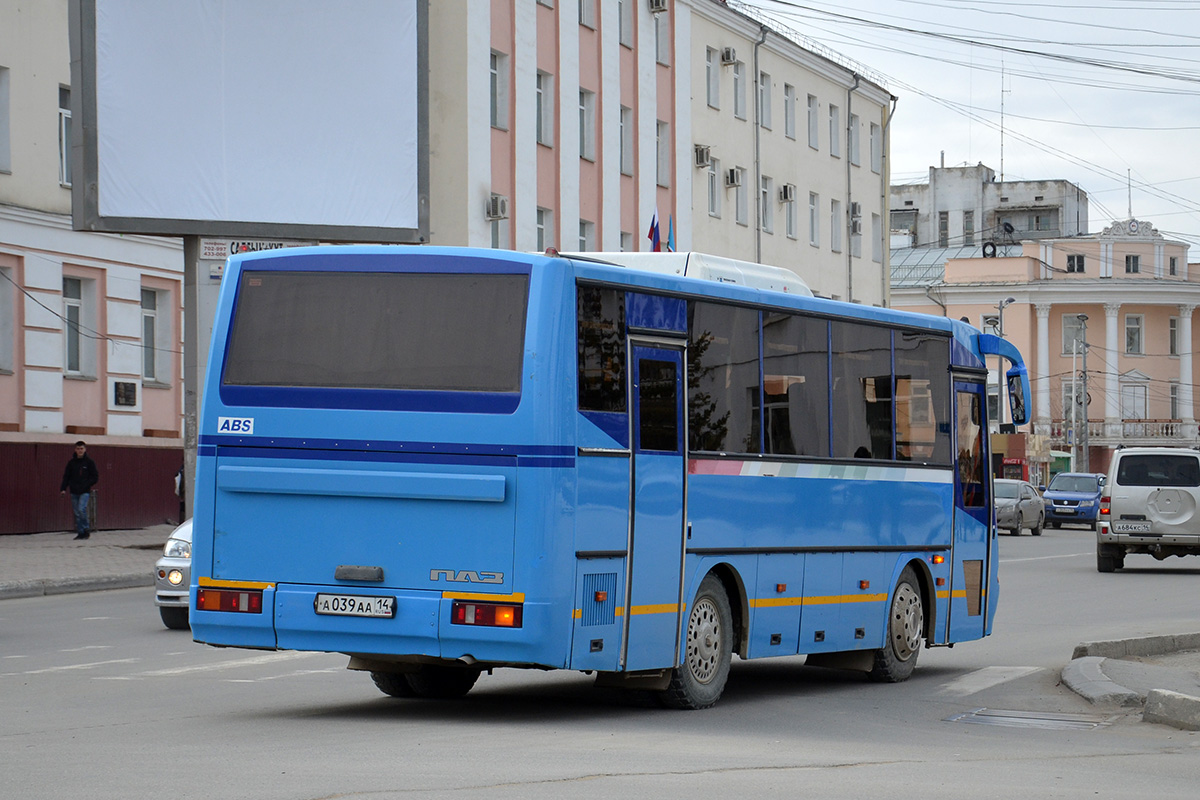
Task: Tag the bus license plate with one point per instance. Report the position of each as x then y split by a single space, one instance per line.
1131 527
354 605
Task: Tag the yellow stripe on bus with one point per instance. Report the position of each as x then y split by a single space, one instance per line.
661 608
209 583
775 602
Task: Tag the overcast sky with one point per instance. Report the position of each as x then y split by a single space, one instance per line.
1103 93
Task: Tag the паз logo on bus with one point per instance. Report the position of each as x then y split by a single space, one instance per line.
466 576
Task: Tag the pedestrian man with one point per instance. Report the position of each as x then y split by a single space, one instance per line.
79 477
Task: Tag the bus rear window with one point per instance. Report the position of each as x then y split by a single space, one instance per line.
378 330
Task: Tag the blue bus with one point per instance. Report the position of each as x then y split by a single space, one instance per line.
441 461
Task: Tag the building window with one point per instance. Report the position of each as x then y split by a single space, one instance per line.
5 122
968 229
78 302
853 143
544 109
876 148
714 188
587 124
1173 336
587 13
545 229
8 314
64 135
149 340
789 111
766 203
625 22
943 229
1133 264
791 220
662 39
1075 262
764 100
499 232
626 242
814 219
499 90
741 199
1133 334
662 150
813 109
712 76
1172 262
1072 334
835 131
587 236
1175 405
836 223
1133 401
739 90
626 141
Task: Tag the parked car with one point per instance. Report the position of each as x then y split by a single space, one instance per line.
1073 497
1018 505
172 576
1149 506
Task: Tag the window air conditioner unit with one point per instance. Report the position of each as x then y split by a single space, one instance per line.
658 6
855 227
855 210
703 155
728 55
733 177
787 193
497 207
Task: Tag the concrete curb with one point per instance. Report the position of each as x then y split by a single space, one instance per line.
1084 677
1146 646
47 586
1172 708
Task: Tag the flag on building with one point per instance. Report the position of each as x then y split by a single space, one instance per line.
671 233
653 233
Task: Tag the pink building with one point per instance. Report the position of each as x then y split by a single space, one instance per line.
1123 300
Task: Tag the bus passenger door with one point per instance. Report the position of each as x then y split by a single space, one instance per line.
652 593
973 548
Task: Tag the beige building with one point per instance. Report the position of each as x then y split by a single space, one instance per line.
1122 301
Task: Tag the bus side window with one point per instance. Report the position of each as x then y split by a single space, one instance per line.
970 449
601 349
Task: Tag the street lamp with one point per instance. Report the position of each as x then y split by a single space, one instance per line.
1008 301
1083 437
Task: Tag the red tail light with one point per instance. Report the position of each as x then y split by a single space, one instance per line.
494 615
1105 509
244 600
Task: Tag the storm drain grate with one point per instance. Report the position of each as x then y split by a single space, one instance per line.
1050 721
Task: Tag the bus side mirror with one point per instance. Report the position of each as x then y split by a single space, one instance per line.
1017 402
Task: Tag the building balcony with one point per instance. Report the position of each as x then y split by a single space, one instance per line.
1127 432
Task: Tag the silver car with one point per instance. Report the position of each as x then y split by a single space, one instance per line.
1018 505
172 576
1151 505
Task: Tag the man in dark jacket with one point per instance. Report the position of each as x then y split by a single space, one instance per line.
79 477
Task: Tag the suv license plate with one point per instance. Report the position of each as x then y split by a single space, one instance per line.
355 605
1131 527
1064 510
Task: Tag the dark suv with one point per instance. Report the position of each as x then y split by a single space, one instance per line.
1073 497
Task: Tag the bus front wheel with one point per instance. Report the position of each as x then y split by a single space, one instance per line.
708 649
897 659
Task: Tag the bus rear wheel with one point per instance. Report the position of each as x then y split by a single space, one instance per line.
442 683
708 650
896 660
393 684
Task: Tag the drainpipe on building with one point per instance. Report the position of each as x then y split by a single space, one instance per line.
849 197
757 156
886 221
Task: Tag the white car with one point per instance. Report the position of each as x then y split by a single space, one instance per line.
172 576
1150 505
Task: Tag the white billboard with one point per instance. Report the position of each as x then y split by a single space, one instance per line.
279 118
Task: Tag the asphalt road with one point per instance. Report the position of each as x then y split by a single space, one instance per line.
98 700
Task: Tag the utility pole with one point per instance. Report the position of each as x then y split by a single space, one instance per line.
1000 360
1083 438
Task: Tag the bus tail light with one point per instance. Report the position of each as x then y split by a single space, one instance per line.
494 615
245 600
1105 506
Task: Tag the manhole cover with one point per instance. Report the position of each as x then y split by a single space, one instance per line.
1051 721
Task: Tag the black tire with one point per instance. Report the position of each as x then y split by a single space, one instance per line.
393 684
1036 530
442 683
1093 525
896 660
174 617
1055 524
1105 563
1109 558
708 650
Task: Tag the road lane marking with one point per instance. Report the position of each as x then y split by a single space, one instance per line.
76 666
1045 558
270 658
985 678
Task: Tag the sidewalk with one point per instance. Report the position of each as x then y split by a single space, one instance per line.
55 563
1159 673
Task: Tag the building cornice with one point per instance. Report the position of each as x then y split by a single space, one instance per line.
1074 292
